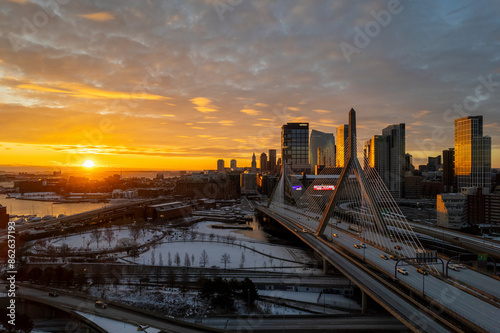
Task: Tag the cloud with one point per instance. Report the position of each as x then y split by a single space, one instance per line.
421 114
251 112
83 91
321 111
102 16
204 105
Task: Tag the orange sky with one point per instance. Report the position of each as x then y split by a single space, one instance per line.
178 85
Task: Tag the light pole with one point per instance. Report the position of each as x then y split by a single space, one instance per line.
423 284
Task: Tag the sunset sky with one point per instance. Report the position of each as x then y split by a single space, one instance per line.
179 84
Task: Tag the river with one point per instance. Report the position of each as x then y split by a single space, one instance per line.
42 208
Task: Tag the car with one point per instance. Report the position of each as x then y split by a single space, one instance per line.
462 266
305 231
357 246
397 247
393 257
362 245
403 271
335 235
53 294
100 305
421 271
453 267
383 256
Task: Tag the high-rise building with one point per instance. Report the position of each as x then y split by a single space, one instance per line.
254 164
434 163
233 164
340 154
387 154
322 149
295 146
377 152
272 160
472 154
263 162
449 170
396 141
220 165
409 163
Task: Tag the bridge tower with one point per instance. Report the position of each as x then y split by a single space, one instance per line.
352 166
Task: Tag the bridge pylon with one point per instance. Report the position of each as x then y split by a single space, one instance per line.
352 166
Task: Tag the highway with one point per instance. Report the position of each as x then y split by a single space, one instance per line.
120 313
464 304
474 243
410 315
306 324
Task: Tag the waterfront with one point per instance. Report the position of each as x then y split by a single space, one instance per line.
42 208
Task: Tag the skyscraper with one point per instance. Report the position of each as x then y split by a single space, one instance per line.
272 160
387 154
295 146
472 154
254 164
220 165
263 162
377 152
321 149
341 156
396 141
233 164
449 170
434 163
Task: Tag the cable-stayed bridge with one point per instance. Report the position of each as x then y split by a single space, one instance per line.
349 217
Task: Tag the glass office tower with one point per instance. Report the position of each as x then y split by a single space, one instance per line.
295 146
472 154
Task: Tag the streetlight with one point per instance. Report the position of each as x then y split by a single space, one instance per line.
423 285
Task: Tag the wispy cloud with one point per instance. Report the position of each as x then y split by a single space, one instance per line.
421 114
83 91
251 112
102 16
204 105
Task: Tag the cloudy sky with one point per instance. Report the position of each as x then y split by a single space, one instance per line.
177 84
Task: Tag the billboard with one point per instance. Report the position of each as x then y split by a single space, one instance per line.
297 187
324 187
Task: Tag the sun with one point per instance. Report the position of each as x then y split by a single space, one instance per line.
88 164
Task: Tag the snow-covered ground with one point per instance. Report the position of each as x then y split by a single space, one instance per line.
114 326
259 256
242 250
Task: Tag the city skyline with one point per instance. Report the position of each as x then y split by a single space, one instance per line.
177 86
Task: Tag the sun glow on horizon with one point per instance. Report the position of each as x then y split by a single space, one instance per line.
88 164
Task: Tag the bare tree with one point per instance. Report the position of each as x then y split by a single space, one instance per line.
109 235
64 249
203 258
153 257
177 259
96 235
192 259
169 262
134 230
187 261
211 237
160 260
225 259
243 260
